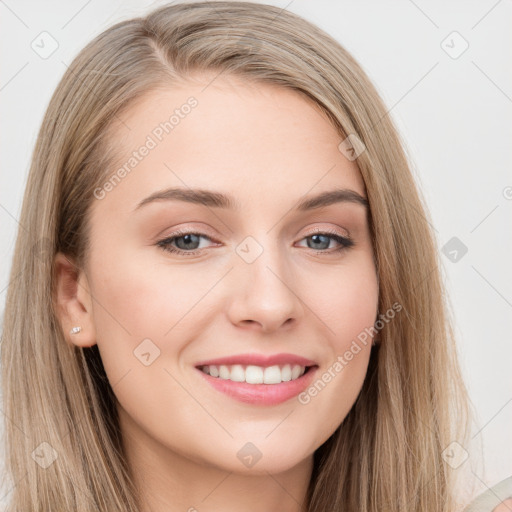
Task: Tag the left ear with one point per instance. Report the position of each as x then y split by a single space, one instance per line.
73 302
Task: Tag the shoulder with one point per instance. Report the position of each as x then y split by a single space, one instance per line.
493 499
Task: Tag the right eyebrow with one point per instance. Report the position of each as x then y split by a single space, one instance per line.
197 196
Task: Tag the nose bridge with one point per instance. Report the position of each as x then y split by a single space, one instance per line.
264 285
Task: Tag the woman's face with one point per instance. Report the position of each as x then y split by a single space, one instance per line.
258 278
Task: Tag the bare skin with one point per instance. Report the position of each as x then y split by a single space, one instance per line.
268 148
504 506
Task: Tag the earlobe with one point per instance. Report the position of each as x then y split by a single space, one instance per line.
73 302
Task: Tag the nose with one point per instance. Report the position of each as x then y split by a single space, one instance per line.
263 293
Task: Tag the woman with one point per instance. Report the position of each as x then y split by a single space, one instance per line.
234 293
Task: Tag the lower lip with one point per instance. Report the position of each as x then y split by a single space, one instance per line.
261 394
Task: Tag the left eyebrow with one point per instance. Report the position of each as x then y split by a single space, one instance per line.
334 196
218 200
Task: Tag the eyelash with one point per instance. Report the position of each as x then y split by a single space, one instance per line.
165 244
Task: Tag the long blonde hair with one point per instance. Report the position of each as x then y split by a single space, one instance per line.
387 453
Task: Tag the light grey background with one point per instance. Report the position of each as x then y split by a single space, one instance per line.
454 112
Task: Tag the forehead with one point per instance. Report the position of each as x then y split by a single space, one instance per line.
249 140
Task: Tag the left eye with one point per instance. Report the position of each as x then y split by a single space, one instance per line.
190 243
324 240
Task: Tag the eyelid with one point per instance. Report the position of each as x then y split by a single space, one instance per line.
201 229
329 231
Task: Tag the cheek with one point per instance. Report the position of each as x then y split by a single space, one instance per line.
348 310
346 301
141 299
134 302
143 317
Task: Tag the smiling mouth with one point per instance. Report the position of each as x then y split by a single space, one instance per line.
252 374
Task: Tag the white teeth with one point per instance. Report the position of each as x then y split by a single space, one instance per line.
297 371
237 373
272 375
256 374
224 372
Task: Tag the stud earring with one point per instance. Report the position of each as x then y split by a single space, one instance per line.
75 330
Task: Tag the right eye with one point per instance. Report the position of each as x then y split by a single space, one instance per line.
187 240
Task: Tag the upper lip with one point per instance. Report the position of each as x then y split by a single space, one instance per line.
259 360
